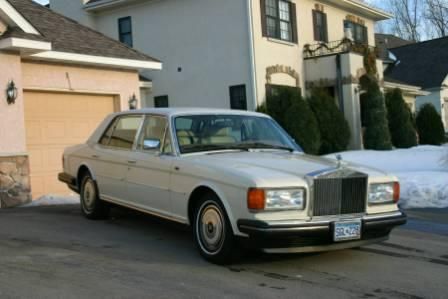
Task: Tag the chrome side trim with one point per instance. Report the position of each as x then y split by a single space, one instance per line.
382 215
133 207
335 246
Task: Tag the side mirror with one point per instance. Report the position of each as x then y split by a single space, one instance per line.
151 144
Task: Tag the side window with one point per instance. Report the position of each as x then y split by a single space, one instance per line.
238 99
122 133
153 133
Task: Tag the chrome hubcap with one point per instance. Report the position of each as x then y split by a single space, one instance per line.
89 195
211 229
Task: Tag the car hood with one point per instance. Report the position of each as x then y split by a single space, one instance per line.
269 165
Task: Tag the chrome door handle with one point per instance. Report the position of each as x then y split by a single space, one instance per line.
132 161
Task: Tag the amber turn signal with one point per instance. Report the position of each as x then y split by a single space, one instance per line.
255 199
396 192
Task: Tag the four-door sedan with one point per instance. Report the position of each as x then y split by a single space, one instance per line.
232 176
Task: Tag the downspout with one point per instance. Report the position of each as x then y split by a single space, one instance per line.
339 82
253 67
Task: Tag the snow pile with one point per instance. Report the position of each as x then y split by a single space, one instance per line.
422 171
53 200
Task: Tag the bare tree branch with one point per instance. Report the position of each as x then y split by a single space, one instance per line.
436 13
407 23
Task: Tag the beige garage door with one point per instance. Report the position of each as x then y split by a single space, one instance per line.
54 121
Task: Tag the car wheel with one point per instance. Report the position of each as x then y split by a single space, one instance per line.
91 205
212 231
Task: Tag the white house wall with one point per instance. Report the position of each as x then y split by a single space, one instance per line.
207 39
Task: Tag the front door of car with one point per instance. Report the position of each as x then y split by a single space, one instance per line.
148 178
110 160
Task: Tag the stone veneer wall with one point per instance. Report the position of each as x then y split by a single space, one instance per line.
14 181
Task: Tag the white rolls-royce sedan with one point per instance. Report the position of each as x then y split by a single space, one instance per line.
235 177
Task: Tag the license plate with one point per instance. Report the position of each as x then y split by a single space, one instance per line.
348 230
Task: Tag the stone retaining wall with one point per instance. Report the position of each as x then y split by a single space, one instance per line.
15 187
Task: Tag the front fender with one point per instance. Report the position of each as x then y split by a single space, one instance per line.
230 197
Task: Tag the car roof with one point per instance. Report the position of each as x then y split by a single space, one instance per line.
169 112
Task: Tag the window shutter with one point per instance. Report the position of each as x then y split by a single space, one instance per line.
292 9
316 30
366 36
325 25
264 29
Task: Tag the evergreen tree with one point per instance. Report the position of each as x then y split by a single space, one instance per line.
429 126
333 127
293 113
401 128
376 134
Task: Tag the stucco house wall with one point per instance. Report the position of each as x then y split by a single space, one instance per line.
205 52
12 141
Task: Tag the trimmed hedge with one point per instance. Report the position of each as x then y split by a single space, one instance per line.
429 126
401 127
376 134
333 127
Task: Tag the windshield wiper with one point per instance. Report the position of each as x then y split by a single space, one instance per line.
210 147
260 145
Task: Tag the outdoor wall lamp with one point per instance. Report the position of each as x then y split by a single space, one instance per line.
11 92
133 102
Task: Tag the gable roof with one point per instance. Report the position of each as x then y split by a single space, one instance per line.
68 36
384 42
423 64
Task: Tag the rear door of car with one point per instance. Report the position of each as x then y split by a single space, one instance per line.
148 178
111 159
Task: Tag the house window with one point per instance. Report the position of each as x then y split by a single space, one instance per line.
320 26
125 30
279 20
359 32
238 99
161 102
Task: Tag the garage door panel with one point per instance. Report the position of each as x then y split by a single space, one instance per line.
55 121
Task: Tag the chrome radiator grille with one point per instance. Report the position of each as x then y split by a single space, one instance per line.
340 194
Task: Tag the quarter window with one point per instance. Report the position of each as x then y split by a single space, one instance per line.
125 30
122 133
279 19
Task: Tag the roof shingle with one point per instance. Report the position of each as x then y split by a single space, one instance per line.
423 64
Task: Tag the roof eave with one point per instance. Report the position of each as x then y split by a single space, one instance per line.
411 89
363 9
24 45
103 61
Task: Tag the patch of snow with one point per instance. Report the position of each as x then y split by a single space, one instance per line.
53 200
422 171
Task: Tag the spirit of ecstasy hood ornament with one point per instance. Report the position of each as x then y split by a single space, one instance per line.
339 158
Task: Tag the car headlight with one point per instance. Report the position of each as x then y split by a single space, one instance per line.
276 199
384 193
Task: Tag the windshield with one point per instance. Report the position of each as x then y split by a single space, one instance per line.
199 133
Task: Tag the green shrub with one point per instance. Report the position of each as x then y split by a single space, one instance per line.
293 113
429 126
376 134
401 128
333 127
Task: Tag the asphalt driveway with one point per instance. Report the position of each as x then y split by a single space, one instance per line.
53 252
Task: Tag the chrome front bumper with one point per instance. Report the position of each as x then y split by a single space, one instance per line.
295 236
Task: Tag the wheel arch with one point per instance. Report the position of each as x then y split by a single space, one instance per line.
82 170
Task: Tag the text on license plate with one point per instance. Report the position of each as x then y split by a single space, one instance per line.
350 230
